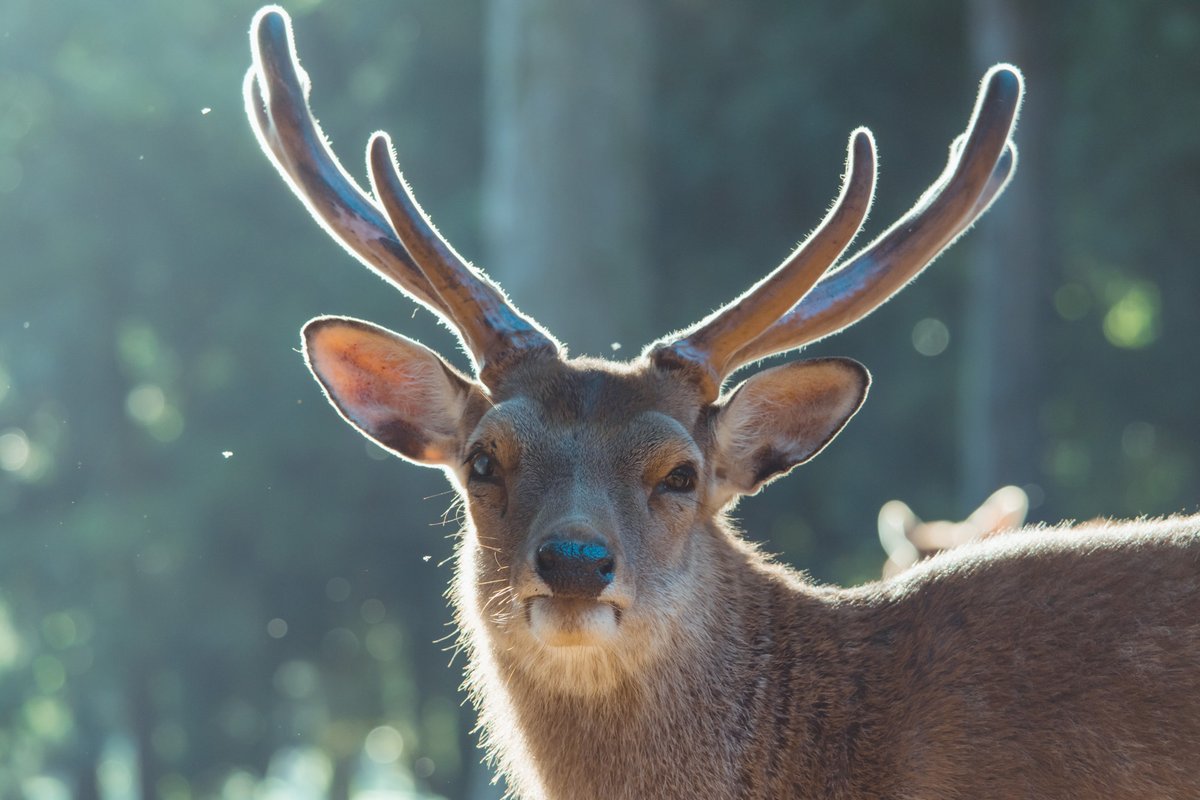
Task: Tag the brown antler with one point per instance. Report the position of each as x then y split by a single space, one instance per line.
980 165
482 312
400 245
709 346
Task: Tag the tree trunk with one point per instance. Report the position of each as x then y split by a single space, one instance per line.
565 187
1011 258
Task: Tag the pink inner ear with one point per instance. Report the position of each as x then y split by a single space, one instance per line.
374 383
394 390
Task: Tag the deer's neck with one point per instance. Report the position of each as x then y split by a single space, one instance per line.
722 714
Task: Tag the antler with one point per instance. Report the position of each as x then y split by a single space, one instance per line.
710 345
398 241
980 165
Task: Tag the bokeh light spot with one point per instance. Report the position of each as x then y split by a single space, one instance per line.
48 718
384 745
384 642
930 337
14 450
1133 320
337 589
146 403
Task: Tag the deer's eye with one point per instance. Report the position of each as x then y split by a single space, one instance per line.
680 479
482 465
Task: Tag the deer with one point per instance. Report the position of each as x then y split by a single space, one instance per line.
624 640
907 539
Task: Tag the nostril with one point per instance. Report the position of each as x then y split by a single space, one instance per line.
607 568
573 568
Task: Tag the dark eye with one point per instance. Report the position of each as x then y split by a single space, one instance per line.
482 466
680 479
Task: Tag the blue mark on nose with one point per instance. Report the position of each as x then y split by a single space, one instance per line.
574 568
580 550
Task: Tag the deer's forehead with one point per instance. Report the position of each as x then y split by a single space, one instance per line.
629 433
597 393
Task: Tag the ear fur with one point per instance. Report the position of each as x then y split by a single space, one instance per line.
394 390
782 417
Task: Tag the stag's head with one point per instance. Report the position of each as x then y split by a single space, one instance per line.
594 487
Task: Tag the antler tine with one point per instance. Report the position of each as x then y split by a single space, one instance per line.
709 346
496 331
980 165
276 96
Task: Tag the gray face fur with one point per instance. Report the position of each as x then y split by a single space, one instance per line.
624 459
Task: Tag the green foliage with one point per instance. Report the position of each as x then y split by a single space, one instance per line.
205 578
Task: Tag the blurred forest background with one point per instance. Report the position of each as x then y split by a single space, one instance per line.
211 587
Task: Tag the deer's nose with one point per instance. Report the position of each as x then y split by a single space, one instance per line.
575 568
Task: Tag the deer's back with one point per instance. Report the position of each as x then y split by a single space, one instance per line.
1042 664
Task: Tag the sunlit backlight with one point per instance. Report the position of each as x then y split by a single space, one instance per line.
930 337
1133 320
298 772
146 403
239 785
14 450
116 769
48 718
384 745
45 787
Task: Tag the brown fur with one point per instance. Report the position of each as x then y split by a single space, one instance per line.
1026 666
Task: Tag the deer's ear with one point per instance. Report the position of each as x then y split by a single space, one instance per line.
398 392
782 417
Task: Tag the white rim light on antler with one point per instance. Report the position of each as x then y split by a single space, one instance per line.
395 240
